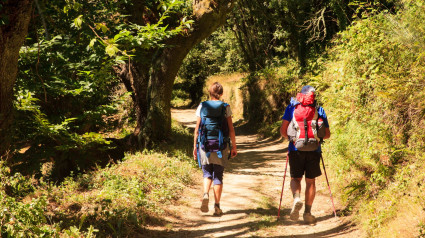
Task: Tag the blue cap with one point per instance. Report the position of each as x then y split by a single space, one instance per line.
306 89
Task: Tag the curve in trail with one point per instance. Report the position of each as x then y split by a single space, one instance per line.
250 199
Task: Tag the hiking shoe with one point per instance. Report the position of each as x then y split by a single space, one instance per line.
205 200
295 212
309 219
217 211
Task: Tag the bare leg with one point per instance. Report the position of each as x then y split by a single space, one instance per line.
310 191
207 185
218 188
296 185
205 196
296 189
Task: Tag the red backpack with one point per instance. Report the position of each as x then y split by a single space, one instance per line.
306 129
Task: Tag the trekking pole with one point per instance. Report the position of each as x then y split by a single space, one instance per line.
327 181
283 184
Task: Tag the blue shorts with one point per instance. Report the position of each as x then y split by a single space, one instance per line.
214 172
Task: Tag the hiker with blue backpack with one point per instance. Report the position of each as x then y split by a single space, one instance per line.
305 125
214 137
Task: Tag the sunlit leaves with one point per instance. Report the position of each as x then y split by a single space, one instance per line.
78 21
119 36
187 23
72 5
92 42
102 27
150 35
111 50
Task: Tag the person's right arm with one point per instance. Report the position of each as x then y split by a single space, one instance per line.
286 119
284 128
195 137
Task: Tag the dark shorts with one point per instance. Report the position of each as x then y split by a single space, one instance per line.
214 172
307 162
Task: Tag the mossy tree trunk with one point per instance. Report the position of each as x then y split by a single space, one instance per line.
152 81
14 20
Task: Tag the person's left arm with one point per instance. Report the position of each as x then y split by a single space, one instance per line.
327 133
322 114
232 136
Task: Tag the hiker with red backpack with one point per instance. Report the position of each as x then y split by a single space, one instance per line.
214 137
305 125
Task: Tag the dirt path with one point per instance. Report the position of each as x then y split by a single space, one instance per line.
250 200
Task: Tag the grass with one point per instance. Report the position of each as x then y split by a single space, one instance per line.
123 197
115 201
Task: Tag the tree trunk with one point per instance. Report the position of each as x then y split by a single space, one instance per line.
302 49
12 35
135 76
164 64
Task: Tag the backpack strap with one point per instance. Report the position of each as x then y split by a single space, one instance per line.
198 153
295 125
316 121
305 131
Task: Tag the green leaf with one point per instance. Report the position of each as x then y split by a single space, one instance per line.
66 9
82 221
92 43
102 27
78 21
111 50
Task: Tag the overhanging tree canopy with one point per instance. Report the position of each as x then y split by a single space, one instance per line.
150 73
147 40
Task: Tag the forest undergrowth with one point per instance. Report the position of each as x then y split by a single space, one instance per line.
373 87
117 200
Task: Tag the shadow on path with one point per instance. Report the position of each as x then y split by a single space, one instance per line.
246 228
252 184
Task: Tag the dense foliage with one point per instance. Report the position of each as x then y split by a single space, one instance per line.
117 200
63 93
67 91
374 91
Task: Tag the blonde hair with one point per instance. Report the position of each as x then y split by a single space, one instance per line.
215 90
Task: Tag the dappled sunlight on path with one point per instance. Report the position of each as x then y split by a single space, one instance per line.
250 199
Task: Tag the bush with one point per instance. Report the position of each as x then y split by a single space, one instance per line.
374 98
121 198
24 215
117 200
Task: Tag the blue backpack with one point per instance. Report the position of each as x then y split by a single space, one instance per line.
213 133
